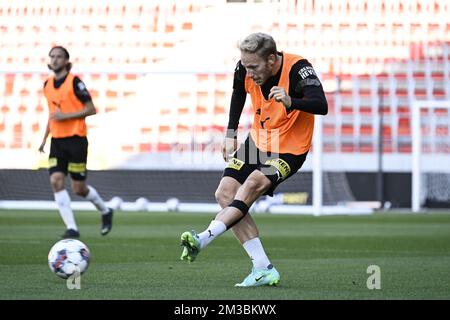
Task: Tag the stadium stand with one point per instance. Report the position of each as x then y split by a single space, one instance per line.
368 52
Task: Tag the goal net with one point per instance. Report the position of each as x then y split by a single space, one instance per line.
430 154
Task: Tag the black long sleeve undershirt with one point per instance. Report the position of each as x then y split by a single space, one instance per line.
305 90
238 98
313 102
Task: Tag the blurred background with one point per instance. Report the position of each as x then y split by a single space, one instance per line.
161 72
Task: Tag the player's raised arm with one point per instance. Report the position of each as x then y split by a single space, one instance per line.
83 95
306 92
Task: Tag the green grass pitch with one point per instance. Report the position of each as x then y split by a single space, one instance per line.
318 257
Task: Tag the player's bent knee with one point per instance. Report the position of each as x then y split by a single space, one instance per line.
226 191
79 192
257 184
57 181
224 197
80 189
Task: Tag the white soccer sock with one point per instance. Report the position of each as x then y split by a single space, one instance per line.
215 229
256 252
96 200
62 199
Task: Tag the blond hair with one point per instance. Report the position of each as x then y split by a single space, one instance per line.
260 43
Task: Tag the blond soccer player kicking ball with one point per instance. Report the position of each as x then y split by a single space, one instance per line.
285 93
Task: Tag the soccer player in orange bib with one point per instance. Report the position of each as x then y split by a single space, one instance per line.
69 103
285 93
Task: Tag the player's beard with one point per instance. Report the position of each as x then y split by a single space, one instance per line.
265 76
58 70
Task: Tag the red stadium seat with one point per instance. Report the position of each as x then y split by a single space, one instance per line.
136 36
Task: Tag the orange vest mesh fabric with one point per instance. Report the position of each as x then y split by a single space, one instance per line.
64 98
273 128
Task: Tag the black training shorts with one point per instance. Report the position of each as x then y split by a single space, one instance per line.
69 155
276 167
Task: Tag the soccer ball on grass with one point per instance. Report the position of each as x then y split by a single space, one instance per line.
67 257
